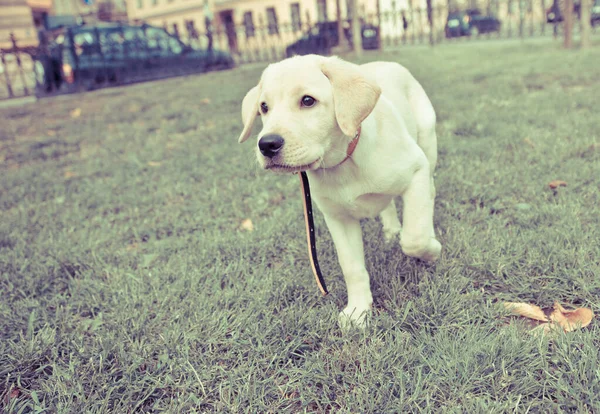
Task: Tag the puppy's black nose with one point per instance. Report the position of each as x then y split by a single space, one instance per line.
269 145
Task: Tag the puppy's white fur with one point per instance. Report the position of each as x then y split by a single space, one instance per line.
395 156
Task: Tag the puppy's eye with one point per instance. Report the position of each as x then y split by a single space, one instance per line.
264 108
308 101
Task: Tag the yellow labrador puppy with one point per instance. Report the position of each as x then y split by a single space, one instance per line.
364 134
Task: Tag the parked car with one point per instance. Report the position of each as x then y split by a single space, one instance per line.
320 38
596 13
470 23
554 14
91 56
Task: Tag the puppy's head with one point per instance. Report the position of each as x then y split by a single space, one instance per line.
311 108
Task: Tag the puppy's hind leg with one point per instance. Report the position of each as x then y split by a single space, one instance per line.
391 222
418 237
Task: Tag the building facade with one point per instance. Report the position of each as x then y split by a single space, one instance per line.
240 24
20 18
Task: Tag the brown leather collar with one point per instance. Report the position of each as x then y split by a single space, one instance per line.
351 147
353 144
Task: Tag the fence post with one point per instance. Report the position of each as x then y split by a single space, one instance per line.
8 85
263 37
412 22
13 40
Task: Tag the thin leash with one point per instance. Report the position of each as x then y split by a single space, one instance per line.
308 219
310 234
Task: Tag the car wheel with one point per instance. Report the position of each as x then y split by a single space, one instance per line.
474 31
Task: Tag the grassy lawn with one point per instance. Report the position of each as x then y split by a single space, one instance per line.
127 284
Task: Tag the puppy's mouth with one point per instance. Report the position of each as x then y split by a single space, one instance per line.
283 168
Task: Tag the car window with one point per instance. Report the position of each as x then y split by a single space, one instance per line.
112 43
160 40
85 44
157 39
135 42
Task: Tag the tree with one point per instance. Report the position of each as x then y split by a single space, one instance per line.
586 24
430 21
355 28
343 44
568 23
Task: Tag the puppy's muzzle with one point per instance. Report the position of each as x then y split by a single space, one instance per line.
270 145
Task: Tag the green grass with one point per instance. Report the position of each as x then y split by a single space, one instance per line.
127 286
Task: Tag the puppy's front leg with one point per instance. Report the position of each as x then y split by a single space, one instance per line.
347 237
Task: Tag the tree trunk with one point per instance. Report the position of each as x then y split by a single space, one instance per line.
355 27
568 23
430 21
586 24
343 43
378 12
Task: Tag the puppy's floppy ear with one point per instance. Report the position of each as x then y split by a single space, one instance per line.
249 111
354 94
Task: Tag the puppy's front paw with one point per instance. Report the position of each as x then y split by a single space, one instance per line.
390 234
354 317
428 249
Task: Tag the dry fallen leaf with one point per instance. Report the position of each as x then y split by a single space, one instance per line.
69 174
560 318
529 142
14 393
247 225
557 183
205 101
76 113
570 320
526 310
154 163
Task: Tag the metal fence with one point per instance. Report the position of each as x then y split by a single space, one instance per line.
265 42
17 73
411 26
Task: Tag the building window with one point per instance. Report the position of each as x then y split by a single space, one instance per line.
140 4
322 10
272 21
296 19
249 24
